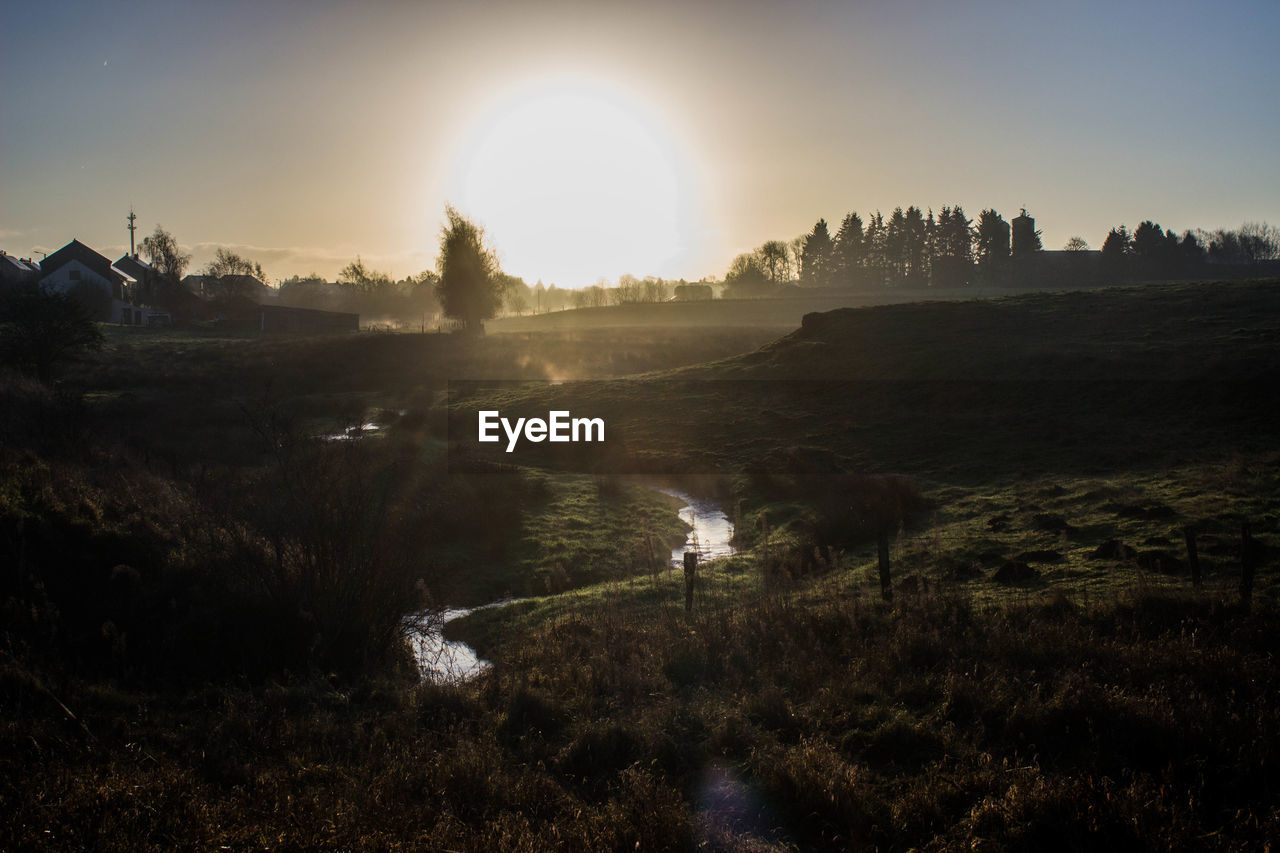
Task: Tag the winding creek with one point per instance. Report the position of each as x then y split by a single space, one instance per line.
444 661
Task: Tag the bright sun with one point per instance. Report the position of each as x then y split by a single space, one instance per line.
574 181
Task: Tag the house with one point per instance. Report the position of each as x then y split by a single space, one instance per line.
77 269
141 271
17 270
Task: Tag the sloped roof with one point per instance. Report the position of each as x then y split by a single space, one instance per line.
77 251
134 267
12 268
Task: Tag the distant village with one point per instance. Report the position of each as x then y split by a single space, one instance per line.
114 291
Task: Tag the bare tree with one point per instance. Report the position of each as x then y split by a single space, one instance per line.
227 262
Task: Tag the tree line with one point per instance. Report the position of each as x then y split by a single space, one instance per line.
915 249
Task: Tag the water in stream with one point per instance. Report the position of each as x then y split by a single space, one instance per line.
448 661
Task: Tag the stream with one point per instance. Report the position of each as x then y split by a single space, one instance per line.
444 661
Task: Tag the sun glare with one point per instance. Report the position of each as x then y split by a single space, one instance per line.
574 181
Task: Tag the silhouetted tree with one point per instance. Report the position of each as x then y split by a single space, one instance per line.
993 242
1147 241
875 254
169 262
746 277
1252 242
470 286
1115 254
1076 244
361 278
227 262
1190 250
1260 241
849 250
895 245
953 248
915 248
796 247
39 329
816 269
775 260
629 290
657 290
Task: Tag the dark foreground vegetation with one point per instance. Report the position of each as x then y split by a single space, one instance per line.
806 719
205 595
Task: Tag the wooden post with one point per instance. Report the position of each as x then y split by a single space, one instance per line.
882 544
1193 558
690 574
764 525
1246 564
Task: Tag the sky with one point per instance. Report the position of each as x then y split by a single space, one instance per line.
593 139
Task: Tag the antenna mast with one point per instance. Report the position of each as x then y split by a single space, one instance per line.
132 228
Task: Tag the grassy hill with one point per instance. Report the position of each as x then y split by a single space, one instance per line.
1044 678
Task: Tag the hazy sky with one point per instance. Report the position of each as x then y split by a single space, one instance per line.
598 138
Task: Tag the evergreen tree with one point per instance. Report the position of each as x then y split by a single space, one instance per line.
877 263
915 247
993 238
1148 241
953 248
895 246
850 251
1115 254
816 271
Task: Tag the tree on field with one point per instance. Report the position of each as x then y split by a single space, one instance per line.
470 286
39 329
815 270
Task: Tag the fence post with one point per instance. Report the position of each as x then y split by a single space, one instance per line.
690 574
1246 564
882 545
1193 558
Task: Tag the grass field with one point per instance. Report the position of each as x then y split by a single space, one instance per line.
1045 677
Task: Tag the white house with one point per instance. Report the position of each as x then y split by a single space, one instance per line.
76 266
